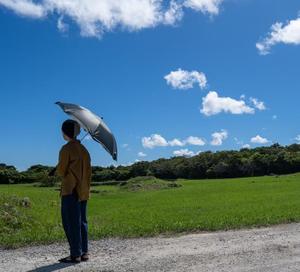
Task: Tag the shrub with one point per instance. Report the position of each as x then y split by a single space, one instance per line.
46 181
13 215
104 175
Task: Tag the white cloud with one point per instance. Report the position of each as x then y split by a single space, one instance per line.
194 141
213 104
126 164
176 142
259 140
205 6
260 105
96 17
246 146
184 152
24 8
174 13
125 145
288 33
219 137
142 154
156 140
153 141
184 80
297 138
191 140
61 25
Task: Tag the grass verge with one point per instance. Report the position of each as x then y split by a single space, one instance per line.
205 205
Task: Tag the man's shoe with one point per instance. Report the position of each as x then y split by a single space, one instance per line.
70 259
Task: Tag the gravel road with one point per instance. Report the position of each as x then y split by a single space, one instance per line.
266 249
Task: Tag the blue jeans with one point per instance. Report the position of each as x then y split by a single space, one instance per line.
73 213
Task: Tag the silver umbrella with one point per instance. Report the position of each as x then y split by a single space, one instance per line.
93 125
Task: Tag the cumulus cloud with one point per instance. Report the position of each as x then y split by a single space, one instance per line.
194 141
191 140
260 105
219 137
288 33
181 79
297 139
176 142
142 154
61 25
184 153
24 8
259 140
205 6
95 17
213 104
246 146
156 140
174 13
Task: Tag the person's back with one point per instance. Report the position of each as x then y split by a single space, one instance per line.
75 168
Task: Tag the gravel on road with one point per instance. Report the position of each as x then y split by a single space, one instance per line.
275 249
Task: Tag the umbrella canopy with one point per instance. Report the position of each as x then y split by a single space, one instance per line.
92 124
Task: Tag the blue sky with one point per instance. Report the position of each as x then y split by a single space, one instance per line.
118 69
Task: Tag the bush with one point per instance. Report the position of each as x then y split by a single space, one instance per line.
104 175
46 181
13 215
9 176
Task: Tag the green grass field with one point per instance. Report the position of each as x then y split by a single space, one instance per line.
205 205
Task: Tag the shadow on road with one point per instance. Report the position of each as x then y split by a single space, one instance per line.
51 267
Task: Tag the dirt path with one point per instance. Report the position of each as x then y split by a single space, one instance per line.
268 249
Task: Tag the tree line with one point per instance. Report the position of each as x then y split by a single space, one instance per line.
260 161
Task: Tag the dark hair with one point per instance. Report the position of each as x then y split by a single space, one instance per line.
70 128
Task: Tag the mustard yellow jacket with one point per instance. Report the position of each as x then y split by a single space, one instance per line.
74 167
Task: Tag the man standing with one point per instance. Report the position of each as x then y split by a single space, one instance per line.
74 167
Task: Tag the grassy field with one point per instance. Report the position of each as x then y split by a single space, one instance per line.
205 205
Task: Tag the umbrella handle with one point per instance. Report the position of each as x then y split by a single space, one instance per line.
84 137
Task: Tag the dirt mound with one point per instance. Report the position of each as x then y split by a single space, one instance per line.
148 183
